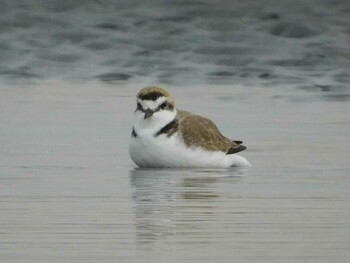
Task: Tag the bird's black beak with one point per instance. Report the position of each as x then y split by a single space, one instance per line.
148 113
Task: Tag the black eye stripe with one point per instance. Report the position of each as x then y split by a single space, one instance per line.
139 106
162 106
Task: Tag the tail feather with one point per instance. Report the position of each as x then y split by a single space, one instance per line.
236 150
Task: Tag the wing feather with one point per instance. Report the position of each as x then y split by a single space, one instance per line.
199 131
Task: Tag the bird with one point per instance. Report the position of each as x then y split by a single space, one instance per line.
163 136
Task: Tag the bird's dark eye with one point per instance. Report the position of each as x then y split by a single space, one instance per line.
139 107
163 105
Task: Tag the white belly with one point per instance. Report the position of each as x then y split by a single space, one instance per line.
162 151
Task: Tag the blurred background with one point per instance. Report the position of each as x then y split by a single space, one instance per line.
265 42
274 74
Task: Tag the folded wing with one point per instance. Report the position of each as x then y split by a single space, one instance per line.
199 131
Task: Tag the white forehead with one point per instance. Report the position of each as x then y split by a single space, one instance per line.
152 104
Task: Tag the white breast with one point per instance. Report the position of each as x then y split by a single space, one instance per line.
162 151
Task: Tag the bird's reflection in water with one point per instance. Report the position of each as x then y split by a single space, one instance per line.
174 201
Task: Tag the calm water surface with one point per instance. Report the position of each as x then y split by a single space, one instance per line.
70 193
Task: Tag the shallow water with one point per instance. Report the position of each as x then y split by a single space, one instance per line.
70 193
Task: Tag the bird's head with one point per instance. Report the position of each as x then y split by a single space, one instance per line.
154 103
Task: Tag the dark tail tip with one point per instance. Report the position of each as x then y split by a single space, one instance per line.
236 150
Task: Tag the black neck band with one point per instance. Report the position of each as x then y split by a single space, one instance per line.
171 125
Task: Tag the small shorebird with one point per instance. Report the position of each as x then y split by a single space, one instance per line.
163 136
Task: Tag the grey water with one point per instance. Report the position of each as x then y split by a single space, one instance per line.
273 74
70 193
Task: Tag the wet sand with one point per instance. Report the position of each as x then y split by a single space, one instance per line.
70 193
305 43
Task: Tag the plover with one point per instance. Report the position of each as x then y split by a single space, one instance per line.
163 136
